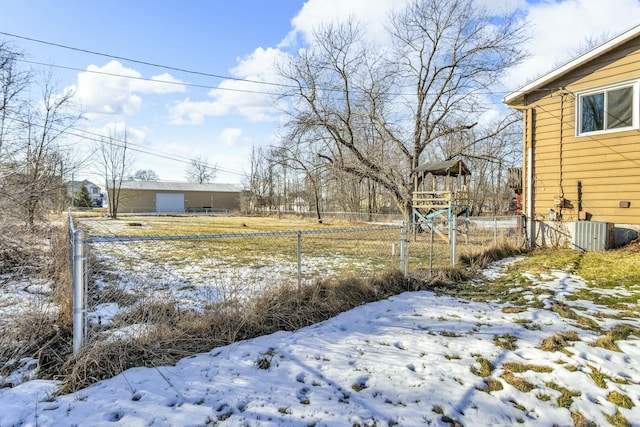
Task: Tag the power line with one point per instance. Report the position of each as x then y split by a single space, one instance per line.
200 86
136 61
184 70
170 82
95 137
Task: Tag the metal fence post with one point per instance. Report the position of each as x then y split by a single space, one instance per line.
404 249
78 290
453 238
431 254
299 259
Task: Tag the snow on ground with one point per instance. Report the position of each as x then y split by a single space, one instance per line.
408 360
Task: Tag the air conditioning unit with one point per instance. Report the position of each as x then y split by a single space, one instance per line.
592 236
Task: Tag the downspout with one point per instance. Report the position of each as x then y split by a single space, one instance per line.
530 115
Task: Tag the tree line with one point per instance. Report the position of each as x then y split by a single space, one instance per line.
362 116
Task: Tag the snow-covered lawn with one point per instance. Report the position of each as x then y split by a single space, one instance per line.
414 359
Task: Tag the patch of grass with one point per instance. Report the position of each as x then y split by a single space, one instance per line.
452 357
358 386
620 400
481 258
491 384
617 420
519 383
451 334
518 405
516 367
264 361
599 377
613 301
557 342
579 420
567 395
563 310
543 397
596 267
486 367
544 260
507 341
617 333
514 310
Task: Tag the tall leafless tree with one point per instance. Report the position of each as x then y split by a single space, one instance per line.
41 162
200 170
308 164
33 162
377 111
13 84
116 161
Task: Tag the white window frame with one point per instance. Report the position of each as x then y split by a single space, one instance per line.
635 114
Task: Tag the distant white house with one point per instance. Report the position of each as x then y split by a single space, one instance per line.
95 192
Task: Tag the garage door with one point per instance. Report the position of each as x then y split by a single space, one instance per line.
170 202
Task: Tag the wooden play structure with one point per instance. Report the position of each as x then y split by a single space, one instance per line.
439 196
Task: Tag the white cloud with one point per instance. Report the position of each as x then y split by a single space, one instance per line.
253 101
372 14
559 29
114 89
189 112
134 135
501 6
230 136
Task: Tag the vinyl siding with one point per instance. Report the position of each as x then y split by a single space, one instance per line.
608 165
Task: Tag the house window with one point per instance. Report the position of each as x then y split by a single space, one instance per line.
94 190
607 110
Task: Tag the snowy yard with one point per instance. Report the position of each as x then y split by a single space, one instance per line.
414 359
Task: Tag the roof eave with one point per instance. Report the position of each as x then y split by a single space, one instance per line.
516 97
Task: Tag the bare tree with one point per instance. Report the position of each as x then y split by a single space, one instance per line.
33 163
13 83
41 163
200 170
116 161
260 181
376 111
307 163
144 175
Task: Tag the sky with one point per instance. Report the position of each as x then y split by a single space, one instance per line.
221 113
412 359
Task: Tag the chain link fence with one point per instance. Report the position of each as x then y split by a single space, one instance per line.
122 267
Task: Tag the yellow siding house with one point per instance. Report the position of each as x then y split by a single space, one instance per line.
582 142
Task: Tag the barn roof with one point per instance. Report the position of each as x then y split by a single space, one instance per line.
180 186
449 167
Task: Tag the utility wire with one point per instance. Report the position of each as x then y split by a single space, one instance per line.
170 82
184 70
168 67
200 86
95 137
